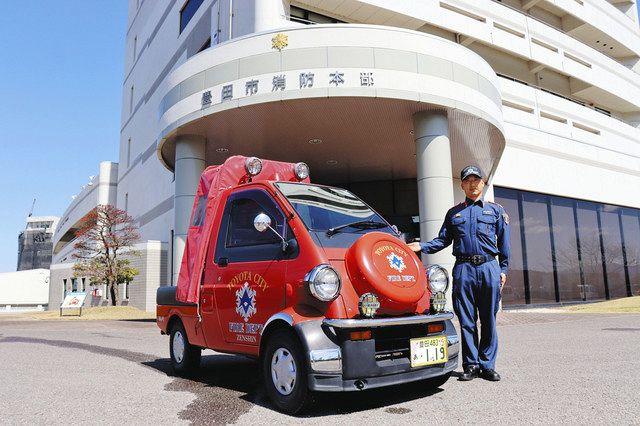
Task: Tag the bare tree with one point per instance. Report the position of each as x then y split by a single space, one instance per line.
105 234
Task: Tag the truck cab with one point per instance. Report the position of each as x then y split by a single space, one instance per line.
309 280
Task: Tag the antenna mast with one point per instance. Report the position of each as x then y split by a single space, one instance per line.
32 205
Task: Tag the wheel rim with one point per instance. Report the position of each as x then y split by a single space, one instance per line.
283 371
178 346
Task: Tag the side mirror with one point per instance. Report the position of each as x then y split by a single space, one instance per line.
262 222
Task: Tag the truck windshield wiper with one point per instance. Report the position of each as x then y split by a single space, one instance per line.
359 224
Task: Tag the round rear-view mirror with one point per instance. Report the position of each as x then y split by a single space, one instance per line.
262 222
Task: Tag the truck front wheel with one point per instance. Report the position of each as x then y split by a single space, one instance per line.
285 373
185 358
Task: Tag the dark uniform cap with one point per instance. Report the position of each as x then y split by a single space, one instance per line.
470 170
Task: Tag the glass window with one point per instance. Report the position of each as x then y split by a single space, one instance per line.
324 207
631 232
306 17
612 243
513 291
239 241
590 251
241 230
566 249
74 285
538 248
199 213
188 10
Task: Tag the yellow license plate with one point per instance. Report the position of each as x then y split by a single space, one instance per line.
428 351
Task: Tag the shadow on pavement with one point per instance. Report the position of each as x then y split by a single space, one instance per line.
233 383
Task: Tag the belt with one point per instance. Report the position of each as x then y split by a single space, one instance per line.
475 259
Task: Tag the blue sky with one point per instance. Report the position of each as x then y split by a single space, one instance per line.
60 93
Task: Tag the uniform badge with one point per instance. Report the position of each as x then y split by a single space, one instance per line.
487 212
457 215
505 216
396 262
246 301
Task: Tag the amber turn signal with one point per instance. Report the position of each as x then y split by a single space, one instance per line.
361 335
435 327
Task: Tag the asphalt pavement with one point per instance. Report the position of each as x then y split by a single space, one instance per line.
556 368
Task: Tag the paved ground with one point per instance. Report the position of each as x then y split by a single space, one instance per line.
569 368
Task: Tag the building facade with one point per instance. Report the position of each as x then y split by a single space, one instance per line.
34 243
390 99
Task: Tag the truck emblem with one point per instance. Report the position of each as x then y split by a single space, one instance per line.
246 301
396 262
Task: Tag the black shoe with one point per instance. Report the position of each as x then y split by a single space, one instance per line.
490 374
470 373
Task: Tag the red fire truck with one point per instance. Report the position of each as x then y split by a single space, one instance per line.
309 280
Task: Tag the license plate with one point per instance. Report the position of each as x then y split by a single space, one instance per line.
428 351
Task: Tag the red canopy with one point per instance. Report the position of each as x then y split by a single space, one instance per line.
213 181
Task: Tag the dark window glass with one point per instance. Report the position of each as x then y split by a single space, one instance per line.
590 251
239 241
566 249
74 285
324 207
306 17
241 230
188 10
612 243
631 230
205 45
513 291
200 213
538 248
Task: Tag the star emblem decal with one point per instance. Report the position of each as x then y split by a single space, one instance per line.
246 301
396 262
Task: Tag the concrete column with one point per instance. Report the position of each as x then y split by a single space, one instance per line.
190 163
435 182
269 14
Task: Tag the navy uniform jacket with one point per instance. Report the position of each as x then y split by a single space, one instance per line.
474 228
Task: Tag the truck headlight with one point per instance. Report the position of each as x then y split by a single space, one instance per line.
253 166
324 282
438 279
301 171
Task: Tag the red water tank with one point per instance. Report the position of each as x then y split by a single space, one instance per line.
382 264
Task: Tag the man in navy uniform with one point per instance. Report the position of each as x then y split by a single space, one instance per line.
479 231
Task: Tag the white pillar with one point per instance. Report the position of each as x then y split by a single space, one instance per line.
189 165
269 14
435 182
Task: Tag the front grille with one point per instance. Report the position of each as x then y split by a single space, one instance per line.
393 342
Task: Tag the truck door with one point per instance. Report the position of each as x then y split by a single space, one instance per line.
251 266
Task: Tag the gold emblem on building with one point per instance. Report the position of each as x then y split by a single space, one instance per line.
280 41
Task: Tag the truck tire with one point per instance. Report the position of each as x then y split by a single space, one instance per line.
285 373
185 358
436 382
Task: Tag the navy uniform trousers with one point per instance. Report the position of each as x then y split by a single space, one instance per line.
476 294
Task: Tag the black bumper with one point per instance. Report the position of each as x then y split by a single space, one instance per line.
337 364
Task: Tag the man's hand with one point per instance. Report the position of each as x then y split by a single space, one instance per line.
415 246
503 279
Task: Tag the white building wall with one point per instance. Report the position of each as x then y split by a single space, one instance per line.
24 288
553 144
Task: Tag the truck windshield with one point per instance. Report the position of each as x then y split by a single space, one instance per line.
333 210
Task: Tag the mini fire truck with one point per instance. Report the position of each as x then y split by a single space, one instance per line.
310 281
